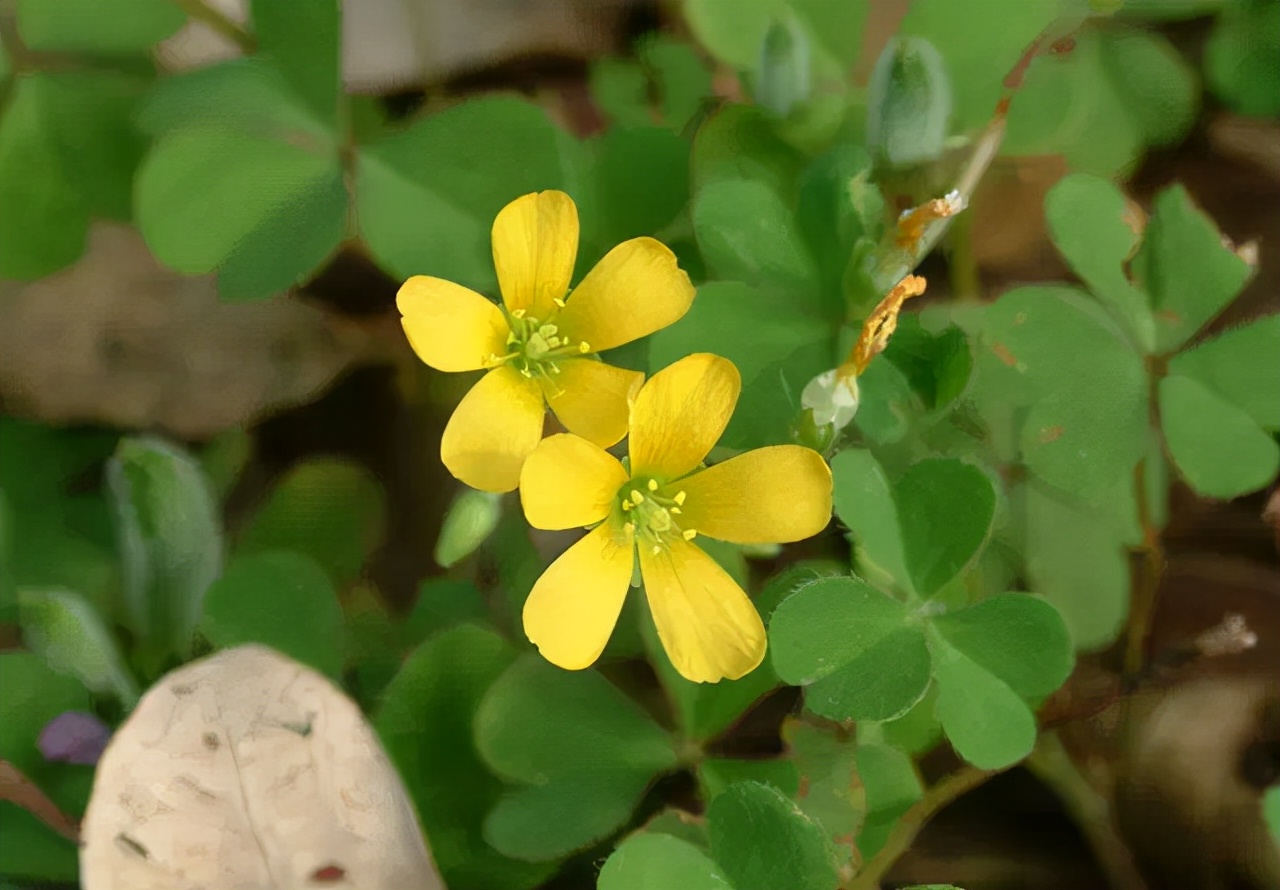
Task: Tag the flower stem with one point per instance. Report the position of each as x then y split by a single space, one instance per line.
1147 585
218 21
1052 765
913 820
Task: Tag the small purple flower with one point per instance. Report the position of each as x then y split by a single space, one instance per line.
74 737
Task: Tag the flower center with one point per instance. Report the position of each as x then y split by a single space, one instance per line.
533 346
652 514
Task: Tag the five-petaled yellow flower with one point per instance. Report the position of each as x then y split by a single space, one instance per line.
655 508
540 345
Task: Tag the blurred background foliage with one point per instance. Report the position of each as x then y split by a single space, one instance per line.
214 433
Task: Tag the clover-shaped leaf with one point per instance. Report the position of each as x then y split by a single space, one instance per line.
1096 231
1055 352
864 656
924 529
1186 269
861 654
581 752
762 841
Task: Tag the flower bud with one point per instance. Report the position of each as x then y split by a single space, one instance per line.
472 517
909 103
783 76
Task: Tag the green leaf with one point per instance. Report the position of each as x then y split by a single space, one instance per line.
716 774
861 654
33 850
1092 594
268 212
583 751
1242 57
1271 811
67 155
442 604
680 74
738 142
987 659
88 26
328 509
302 40
33 695
747 234
908 103
945 511
891 785
977 54
1156 85
170 538
863 500
1101 105
246 95
783 70
1239 366
65 630
735 33
887 404
1216 447
621 89
280 599
649 861
642 177
777 346
937 365
1095 230
828 781
427 196
1054 350
1190 275
762 841
424 719
838 204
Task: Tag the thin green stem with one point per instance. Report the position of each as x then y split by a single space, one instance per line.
966 283
913 820
1053 766
1147 585
200 11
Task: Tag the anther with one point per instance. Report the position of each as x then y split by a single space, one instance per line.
689 534
559 301
657 548
626 504
584 347
653 484
519 313
679 498
637 497
675 510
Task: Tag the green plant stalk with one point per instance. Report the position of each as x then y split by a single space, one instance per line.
200 11
1052 765
1147 585
913 820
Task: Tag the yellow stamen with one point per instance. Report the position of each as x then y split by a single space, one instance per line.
689 534
679 498
636 497
653 484
584 347
559 301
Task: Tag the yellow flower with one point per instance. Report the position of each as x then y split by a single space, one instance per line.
540 345
655 509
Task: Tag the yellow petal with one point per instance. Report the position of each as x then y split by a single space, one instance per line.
493 429
635 290
573 607
535 243
708 626
592 399
569 483
768 496
680 413
450 327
